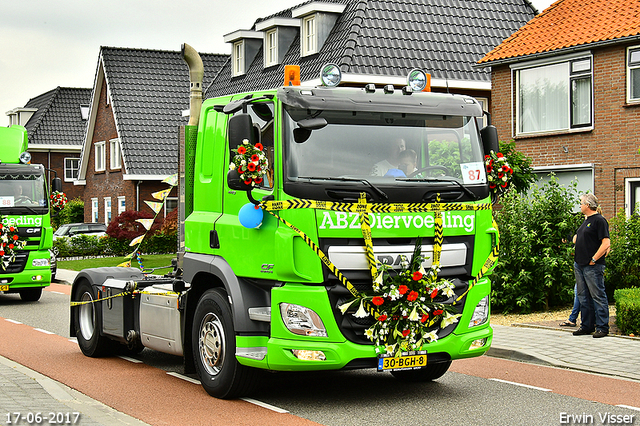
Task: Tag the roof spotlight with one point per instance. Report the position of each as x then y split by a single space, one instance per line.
25 158
330 75
417 80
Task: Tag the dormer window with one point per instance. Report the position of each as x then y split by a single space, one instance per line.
309 41
271 48
246 45
317 20
238 58
279 33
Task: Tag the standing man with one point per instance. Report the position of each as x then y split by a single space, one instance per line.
592 243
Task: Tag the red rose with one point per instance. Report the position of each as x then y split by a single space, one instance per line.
259 146
486 157
403 289
377 300
258 180
242 150
1 252
505 168
500 175
405 333
489 169
11 246
11 229
15 238
382 318
500 155
417 275
492 185
434 293
437 312
251 167
412 296
504 185
247 182
424 318
255 157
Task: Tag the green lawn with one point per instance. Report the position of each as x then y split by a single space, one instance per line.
148 261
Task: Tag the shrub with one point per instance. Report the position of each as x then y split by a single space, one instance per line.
628 310
623 261
535 267
523 175
125 227
73 212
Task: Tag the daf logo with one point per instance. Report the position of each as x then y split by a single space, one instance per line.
388 260
266 268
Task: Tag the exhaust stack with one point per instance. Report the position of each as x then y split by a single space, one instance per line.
196 73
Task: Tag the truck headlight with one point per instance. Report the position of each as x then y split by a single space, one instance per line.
40 262
302 321
481 313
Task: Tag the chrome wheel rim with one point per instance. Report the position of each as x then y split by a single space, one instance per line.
87 317
211 344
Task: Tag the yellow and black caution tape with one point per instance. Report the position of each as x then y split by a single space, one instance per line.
126 293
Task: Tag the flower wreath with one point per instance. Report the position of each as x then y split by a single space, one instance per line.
9 241
251 162
499 172
58 200
410 314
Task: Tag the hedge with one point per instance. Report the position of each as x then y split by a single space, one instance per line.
628 310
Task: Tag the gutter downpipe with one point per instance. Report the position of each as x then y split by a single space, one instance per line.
187 145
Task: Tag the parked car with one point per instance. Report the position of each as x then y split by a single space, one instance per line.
72 229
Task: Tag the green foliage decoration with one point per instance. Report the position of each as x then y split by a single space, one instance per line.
523 176
535 267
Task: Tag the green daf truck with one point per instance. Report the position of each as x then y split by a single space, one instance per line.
322 228
26 236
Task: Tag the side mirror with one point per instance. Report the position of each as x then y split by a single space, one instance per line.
240 128
56 184
236 182
305 126
489 137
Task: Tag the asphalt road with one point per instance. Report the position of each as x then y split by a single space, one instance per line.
482 391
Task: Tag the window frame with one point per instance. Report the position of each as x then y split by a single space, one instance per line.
309 38
631 66
271 48
71 168
100 156
570 78
107 210
115 154
95 210
238 58
122 204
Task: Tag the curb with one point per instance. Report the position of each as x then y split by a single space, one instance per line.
568 330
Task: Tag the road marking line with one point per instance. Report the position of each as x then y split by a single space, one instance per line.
55 292
13 321
180 376
628 406
521 384
265 405
126 358
44 331
74 340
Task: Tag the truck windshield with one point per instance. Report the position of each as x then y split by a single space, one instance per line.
384 149
22 190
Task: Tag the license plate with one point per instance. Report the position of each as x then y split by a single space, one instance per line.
4 288
411 361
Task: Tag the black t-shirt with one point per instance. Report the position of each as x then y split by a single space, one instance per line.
589 238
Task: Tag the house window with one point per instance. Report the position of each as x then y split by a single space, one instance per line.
633 74
170 204
107 210
122 205
84 112
100 157
71 168
554 97
94 210
115 159
309 39
271 48
238 58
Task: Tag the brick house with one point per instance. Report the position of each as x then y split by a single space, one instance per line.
373 41
131 140
56 123
566 87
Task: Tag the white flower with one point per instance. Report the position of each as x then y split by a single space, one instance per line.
414 314
421 270
369 333
343 308
245 141
394 294
390 348
361 312
449 319
379 279
432 336
448 292
232 166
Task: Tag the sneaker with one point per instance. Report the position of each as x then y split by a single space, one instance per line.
600 333
582 331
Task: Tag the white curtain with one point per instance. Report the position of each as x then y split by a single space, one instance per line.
544 98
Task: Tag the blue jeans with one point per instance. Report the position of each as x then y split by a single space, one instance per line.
594 306
573 316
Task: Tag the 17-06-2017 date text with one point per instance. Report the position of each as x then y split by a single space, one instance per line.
50 418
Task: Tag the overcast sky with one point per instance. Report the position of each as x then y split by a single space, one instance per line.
45 44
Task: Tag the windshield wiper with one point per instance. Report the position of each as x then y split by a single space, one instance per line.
375 189
464 188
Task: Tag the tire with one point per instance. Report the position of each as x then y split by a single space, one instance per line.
432 372
30 294
87 322
214 349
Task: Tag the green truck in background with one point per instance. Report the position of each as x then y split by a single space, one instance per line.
308 243
26 236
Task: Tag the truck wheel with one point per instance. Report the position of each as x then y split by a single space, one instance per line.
432 372
87 322
30 294
214 348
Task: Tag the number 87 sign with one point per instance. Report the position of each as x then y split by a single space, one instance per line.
473 173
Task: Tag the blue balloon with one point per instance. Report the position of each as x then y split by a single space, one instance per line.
395 173
250 216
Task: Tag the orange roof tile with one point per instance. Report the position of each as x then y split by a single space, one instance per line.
568 23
